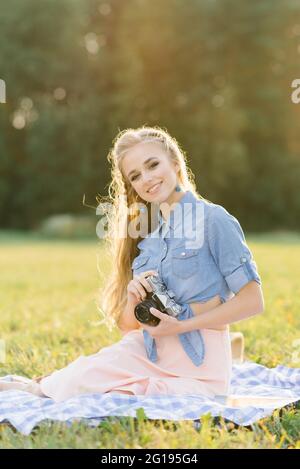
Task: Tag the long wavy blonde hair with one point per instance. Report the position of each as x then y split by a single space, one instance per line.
123 249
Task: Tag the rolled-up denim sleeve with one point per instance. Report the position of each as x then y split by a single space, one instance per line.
229 249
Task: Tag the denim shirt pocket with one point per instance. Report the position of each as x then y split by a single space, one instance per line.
185 262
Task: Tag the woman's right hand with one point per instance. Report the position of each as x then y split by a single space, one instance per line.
138 287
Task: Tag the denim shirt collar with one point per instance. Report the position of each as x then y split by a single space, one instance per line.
177 213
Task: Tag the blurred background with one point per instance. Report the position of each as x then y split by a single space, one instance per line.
216 74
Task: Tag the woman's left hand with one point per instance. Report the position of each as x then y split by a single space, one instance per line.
167 326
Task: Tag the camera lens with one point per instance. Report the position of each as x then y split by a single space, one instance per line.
143 315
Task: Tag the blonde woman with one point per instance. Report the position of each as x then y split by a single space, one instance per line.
159 225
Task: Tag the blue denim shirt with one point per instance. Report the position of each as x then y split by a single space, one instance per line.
199 252
192 341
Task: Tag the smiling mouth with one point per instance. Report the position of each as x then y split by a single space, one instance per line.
154 188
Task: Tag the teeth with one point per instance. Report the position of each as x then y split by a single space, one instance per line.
154 187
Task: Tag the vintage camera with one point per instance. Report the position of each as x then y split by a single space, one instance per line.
159 298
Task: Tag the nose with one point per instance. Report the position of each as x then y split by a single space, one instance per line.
147 178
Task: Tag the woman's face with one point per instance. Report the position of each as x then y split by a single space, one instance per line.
150 171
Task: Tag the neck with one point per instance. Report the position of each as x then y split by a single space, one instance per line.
165 207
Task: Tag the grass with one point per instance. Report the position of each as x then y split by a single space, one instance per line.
49 317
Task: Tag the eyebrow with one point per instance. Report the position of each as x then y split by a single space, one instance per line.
147 161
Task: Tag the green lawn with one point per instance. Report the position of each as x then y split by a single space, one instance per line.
49 317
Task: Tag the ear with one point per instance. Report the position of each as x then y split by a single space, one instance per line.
177 167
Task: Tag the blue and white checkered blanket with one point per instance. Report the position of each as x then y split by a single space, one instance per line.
255 392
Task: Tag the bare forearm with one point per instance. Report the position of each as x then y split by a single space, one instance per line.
239 307
127 321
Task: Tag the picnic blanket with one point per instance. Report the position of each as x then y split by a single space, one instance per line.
256 391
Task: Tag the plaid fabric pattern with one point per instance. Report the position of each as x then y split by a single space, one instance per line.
25 411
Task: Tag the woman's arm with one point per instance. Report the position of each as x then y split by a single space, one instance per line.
247 302
137 290
127 321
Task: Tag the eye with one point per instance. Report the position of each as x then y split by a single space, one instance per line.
151 166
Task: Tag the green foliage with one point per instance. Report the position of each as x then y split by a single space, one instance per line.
217 75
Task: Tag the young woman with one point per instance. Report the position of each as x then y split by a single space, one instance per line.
197 248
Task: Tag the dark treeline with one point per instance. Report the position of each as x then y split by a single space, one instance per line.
216 74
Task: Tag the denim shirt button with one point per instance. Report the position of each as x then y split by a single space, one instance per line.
183 253
243 259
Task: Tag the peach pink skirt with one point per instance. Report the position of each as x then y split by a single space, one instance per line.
124 368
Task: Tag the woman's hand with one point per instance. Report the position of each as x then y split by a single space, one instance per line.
136 291
167 326
138 287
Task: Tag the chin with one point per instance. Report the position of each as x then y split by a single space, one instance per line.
163 197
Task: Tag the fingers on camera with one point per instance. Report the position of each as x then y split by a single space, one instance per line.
139 288
145 283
